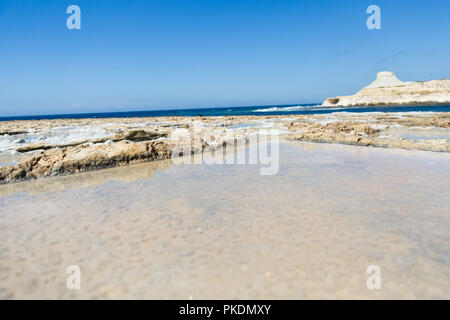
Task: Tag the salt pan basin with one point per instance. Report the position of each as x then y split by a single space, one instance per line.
159 230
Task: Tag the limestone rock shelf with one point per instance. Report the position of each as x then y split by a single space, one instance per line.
122 141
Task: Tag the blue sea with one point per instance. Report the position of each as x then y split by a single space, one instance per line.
233 111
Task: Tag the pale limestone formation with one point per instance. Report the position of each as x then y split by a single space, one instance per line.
386 79
388 90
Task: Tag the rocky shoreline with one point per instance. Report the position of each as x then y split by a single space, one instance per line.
54 147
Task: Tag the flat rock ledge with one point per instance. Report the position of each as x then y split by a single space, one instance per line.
128 147
84 157
359 140
360 134
428 131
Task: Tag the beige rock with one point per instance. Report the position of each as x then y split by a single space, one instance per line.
139 135
83 158
156 139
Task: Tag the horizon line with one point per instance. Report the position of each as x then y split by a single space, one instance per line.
154 110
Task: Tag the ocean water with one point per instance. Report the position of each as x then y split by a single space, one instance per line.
160 230
233 111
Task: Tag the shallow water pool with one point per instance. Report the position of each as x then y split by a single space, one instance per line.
159 230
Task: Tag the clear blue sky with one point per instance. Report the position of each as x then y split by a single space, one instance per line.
144 55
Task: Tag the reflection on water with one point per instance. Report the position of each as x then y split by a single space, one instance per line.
417 133
9 158
159 230
125 174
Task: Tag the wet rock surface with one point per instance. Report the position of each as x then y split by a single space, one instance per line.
139 135
82 158
118 142
371 130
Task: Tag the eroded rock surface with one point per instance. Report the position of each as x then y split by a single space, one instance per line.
84 157
118 142
415 131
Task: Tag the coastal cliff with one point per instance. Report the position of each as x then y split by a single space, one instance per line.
388 90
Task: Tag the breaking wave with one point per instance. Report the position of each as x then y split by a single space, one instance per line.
286 109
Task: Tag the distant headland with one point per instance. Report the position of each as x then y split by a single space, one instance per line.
388 90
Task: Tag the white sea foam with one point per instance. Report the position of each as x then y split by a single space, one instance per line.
286 109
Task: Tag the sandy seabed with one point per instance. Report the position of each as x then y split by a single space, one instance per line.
163 231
